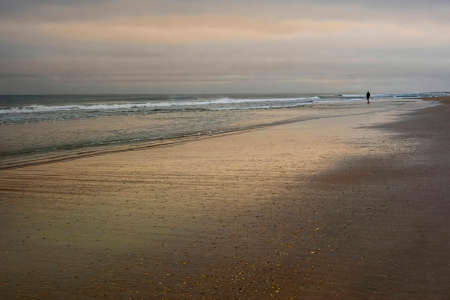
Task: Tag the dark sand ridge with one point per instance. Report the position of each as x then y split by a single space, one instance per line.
308 210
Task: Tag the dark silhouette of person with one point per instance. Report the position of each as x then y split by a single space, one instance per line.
368 96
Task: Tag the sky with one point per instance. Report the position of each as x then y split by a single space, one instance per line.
223 46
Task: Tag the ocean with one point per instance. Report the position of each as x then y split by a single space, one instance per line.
36 127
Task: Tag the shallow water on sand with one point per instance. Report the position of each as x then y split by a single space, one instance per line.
22 142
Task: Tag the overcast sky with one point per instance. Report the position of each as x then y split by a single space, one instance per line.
223 46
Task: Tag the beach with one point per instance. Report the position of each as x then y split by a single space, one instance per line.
344 207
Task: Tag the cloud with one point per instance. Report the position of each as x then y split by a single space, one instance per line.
58 46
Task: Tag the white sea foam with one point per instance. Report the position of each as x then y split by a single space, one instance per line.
371 95
148 105
225 103
397 95
351 96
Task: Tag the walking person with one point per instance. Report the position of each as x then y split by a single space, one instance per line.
368 96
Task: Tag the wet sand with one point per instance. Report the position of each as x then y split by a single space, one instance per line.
342 208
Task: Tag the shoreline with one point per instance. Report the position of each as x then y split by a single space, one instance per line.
349 207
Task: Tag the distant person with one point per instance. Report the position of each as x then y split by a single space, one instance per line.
368 96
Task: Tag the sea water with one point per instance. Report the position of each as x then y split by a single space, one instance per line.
40 125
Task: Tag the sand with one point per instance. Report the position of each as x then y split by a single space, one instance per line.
352 207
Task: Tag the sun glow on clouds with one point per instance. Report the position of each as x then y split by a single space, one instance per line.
179 30
190 29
